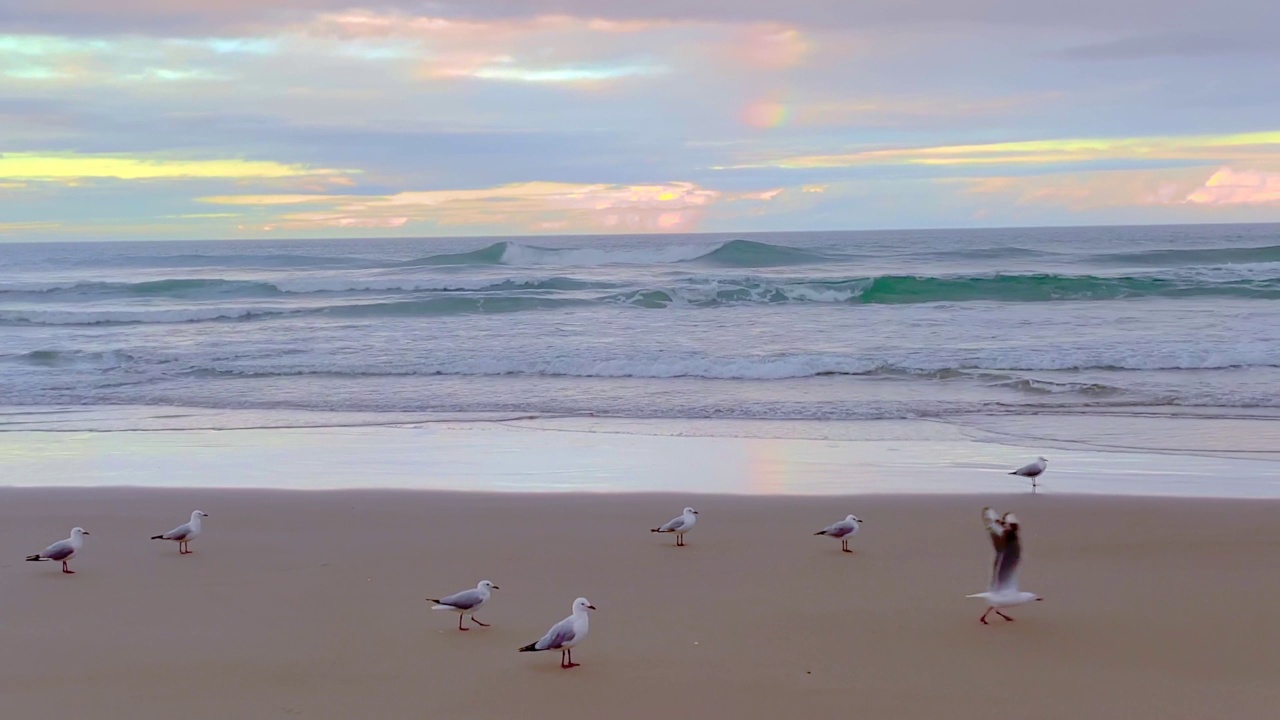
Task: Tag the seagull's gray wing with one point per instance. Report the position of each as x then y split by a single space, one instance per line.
464 600
991 519
179 533
840 529
1029 470
673 525
59 551
1005 577
559 634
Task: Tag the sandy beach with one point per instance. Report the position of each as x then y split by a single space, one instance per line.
312 604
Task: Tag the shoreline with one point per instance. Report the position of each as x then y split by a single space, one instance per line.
562 455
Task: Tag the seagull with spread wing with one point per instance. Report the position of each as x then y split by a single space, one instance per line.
1002 590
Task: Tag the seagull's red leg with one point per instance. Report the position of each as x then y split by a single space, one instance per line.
983 619
844 545
67 570
474 620
563 666
571 664
1006 617
460 623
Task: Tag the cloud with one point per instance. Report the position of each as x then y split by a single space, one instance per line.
886 110
1083 192
527 207
1232 187
76 166
196 17
1174 45
8 227
1192 148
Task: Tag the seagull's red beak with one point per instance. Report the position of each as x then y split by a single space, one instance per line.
591 607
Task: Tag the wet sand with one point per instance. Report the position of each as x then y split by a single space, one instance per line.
312 604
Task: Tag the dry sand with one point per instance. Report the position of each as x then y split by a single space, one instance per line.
312 605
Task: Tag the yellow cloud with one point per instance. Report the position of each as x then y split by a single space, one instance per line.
529 206
1197 148
1086 191
75 166
269 199
1232 187
36 225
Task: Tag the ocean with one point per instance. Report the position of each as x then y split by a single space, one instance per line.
825 325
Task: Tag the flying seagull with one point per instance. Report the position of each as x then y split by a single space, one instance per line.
680 525
184 533
1002 589
63 550
1033 470
842 530
466 602
565 635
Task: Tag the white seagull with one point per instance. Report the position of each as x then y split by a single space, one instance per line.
466 602
565 635
63 550
842 530
1003 588
1033 470
680 525
184 533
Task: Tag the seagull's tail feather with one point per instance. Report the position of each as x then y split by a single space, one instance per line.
531 647
35 558
657 530
157 537
433 600
1015 472
821 532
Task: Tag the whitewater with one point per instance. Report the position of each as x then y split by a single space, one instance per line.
925 324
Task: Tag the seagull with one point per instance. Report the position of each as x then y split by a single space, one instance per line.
184 533
1033 470
63 550
680 525
466 602
843 530
1003 587
565 635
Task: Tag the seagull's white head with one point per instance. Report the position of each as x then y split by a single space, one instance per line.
196 514
690 511
582 604
853 518
78 531
486 585
1009 520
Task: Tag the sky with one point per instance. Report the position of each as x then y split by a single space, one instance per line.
197 119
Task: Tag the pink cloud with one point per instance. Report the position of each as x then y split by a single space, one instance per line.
517 207
1234 187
